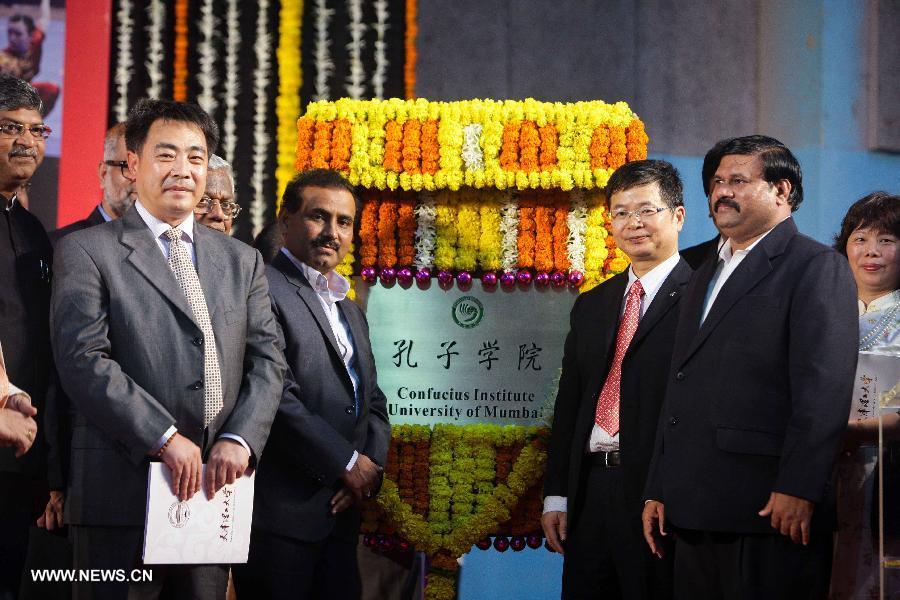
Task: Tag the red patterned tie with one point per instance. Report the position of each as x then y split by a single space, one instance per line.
607 415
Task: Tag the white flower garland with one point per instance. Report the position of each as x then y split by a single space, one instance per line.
577 223
206 76
472 154
232 81
124 61
426 214
156 12
509 227
381 63
261 138
324 64
356 77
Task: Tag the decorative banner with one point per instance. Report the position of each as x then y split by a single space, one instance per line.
468 356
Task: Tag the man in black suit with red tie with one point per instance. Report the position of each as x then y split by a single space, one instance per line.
604 426
758 393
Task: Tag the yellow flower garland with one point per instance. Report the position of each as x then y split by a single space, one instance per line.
290 79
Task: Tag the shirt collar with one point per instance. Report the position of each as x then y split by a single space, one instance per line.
103 213
159 228
879 304
333 283
8 204
653 279
726 254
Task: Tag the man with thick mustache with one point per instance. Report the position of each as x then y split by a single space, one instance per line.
25 259
758 392
167 348
330 438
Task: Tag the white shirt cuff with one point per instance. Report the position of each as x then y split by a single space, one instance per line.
15 391
163 439
352 460
555 504
238 439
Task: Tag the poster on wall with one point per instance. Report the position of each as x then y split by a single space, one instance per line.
32 46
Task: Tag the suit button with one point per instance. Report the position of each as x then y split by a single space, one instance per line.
197 341
673 421
679 376
349 410
196 385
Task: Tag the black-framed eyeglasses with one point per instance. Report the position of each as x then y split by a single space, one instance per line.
232 209
14 130
122 164
642 214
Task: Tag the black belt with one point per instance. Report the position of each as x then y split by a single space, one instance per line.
605 459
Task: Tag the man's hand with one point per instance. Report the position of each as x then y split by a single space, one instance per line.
17 430
183 458
52 518
554 525
342 500
363 480
654 519
21 403
790 515
228 461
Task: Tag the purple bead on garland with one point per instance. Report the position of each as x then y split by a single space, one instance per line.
558 279
489 279
517 543
445 277
388 275
508 279
576 278
524 277
404 276
464 278
501 544
423 275
369 274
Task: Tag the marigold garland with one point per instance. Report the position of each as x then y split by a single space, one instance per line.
340 145
468 221
420 145
595 250
368 232
526 241
387 241
409 40
490 243
179 62
543 238
561 233
636 141
445 231
406 232
287 104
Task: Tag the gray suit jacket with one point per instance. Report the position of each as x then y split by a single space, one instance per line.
130 357
316 429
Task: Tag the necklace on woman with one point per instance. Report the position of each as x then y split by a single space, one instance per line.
868 342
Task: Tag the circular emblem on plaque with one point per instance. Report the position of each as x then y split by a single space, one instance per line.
179 513
467 311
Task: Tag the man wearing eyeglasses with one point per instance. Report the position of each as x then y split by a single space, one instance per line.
115 181
610 392
217 208
25 259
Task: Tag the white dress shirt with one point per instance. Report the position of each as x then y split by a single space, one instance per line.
600 440
728 263
331 289
105 216
186 227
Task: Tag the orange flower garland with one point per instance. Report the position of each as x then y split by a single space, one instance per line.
637 141
368 247
393 146
321 154
180 62
406 231
526 239
599 147
340 145
409 39
412 152
543 251
561 233
529 146
387 224
306 128
509 152
618 151
430 147
549 144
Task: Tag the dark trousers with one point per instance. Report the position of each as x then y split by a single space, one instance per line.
121 548
606 555
20 505
730 566
281 567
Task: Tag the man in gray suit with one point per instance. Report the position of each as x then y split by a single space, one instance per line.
331 435
167 347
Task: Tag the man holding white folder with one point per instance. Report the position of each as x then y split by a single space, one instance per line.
166 344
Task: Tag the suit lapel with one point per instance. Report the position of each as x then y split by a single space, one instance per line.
208 249
149 261
309 297
360 343
755 267
667 297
